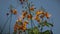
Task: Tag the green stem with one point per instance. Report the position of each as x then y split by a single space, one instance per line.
28 4
10 23
25 32
41 26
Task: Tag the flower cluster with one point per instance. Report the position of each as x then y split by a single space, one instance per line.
20 25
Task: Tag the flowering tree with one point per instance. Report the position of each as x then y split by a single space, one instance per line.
29 15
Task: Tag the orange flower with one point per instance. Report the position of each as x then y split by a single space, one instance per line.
29 16
47 15
32 8
37 18
14 11
39 12
24 28
24 14
15 27
20 27
25 23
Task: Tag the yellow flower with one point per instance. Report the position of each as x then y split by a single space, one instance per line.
37 18
24 28
39 12
24 24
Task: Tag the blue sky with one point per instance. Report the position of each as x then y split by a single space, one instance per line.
52 6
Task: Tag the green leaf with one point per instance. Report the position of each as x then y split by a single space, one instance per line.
46 32
30 32
50 24
14 32
35 31
47 24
